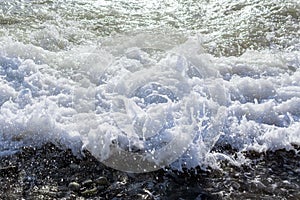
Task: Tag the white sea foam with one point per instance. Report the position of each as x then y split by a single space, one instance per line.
95 97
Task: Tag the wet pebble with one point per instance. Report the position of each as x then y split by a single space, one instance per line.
74 186
89 192
87 183
101 181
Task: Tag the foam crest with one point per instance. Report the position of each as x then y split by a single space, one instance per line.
151 108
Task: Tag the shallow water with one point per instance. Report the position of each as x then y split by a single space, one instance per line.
154 82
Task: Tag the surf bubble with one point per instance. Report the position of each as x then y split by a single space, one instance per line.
138 117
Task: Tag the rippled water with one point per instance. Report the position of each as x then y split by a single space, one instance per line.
198 75
228 27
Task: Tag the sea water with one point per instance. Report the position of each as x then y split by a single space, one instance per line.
155 83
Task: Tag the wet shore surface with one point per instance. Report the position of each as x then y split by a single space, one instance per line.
48 172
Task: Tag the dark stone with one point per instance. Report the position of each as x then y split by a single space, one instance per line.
74 186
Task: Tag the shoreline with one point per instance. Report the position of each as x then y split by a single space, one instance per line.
52 173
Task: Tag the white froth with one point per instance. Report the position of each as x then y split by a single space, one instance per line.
91 97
